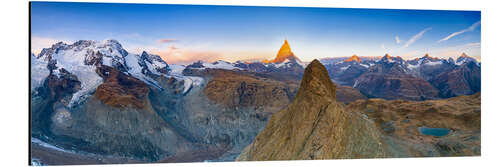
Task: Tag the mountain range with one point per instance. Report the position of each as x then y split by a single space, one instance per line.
417 79
101 103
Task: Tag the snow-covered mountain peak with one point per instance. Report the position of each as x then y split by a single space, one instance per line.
83 57
219 64
389 59
464 59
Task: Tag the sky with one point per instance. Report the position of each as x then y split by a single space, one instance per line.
181 34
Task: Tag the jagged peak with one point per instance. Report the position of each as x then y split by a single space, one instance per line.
284 53
112 41
387 56
464 55
451 60
316 82
353 58
428 57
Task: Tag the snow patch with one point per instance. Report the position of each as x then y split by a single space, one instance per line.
189 81
364 65
176 69
39 72
221 65
135 70
344 68
412 67
47 145
278 65
355 84
433 63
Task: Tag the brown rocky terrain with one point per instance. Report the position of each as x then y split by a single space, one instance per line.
401 119
120 90
348 94
235 90
315 126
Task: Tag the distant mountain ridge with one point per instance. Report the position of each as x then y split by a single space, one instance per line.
428 73
284 63
416 79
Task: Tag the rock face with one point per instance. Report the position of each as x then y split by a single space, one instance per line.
464 80
389 80
315 126
120 90
390 86
233 89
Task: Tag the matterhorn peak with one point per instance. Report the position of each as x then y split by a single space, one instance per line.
285 53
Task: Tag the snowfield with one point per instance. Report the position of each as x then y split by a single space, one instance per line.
73 61
39 72
189 81
135 69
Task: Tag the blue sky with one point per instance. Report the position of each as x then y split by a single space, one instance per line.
185 33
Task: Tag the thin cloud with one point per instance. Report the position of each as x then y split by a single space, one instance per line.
174 55
166 40
416 37
470 28
397 39
172 47
474 44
